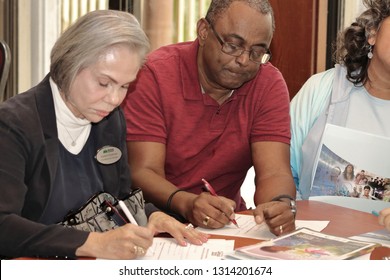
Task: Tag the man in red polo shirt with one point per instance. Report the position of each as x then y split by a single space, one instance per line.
212 109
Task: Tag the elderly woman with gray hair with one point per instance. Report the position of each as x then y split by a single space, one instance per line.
63 141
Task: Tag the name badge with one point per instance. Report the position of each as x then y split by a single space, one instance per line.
108 155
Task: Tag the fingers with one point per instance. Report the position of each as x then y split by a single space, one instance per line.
212 212
126 242
259 214
384 218
138 251
278 216
139 236
181 232
192 235
132 240
282 228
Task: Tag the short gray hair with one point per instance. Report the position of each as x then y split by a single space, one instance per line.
218 7
88 38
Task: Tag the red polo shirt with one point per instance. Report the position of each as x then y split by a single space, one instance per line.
204 139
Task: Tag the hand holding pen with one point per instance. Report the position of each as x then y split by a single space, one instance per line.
211 190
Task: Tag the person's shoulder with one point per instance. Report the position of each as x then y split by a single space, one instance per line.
314 93
169 51
270 70
325 77
19 103
268 75
19 113
317 85
22 108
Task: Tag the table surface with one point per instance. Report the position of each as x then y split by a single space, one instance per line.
343 222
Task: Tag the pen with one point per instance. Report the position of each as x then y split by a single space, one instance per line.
375 213
125 210
211 190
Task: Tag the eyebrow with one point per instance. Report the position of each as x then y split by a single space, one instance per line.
104 75
236 36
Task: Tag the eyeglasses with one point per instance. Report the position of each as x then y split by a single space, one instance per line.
258 54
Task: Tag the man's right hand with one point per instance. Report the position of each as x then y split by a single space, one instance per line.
209 211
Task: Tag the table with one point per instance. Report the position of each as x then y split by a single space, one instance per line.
343 222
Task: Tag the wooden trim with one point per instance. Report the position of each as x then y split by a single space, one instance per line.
295 42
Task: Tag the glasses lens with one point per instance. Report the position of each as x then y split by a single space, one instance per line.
260 56
231 49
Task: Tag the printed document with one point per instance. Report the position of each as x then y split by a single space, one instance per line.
168 249
248 228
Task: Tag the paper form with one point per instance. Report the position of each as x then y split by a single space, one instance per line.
249 228
168 249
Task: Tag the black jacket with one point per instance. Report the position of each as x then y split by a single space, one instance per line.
29 148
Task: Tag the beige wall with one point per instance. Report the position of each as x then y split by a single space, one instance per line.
158 21
1 19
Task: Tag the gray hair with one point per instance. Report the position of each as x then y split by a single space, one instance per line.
82 44
218 7
352 43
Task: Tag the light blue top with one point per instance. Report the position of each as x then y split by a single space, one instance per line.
307 105
329 97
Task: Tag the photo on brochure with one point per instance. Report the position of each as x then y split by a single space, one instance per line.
344 170
336 176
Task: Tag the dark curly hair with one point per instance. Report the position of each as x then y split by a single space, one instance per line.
352 44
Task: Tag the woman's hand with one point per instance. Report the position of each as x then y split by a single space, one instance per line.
384 218
126 242
160 222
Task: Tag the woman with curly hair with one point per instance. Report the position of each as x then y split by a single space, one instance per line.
355 94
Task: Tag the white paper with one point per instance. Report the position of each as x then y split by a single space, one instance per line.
249 228
168 249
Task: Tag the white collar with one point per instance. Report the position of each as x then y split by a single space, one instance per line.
73 132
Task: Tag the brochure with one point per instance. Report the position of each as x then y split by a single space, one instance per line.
306 244
352 163
381 236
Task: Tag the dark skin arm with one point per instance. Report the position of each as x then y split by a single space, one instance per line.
273 177
146 160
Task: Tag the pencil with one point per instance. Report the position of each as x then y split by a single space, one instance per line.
211 190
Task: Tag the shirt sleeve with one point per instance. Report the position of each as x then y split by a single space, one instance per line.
305 108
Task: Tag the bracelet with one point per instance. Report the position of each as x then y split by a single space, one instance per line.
279 197
293 205
168 205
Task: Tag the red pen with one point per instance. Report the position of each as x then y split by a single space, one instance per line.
211 190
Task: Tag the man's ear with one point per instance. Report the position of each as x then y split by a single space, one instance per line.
202 30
